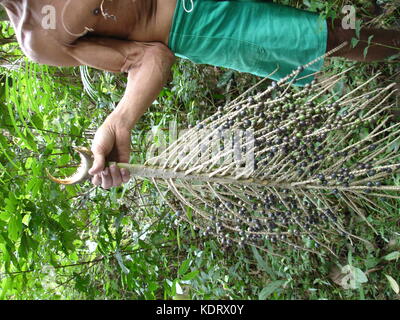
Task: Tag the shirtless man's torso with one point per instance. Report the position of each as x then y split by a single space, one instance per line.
135 20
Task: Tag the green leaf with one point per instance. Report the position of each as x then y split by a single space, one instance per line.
7 284
65 221
354 42
5 216
394 57
371 262
262 263
184 267
37 121
15 227
393 284
81 282
365 52
270 288
33 186
67 239
28 163
358 28
190 275
392 256
11 203
353 277
178 238
153 286
369 43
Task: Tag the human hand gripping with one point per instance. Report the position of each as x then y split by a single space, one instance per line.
111 143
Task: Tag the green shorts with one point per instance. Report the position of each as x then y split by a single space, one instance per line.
248 36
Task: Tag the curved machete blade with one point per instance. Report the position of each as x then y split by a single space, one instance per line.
82 173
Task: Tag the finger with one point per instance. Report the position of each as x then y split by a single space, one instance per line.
115 175
106 178
125 175
98 162
96 180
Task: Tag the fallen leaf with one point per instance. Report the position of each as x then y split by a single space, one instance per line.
393 284
348 277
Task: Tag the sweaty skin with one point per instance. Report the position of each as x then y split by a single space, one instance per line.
114 35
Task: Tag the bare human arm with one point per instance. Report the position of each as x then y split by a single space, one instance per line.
148 66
